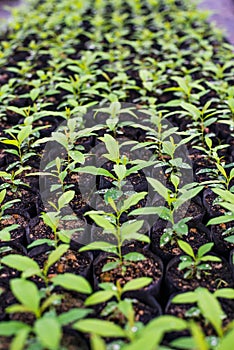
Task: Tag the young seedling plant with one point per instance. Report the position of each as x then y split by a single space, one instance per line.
196 265
173 201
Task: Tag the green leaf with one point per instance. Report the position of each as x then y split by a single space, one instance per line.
185 298
163 212
97 343
210 258
136 284
27 294
65 199
224 293
112 147
105 246
51 219
131 227
193 110
210 309
110 266
136 237
55 255
77 156
226 343
10 328
186 248
132 200
100 327
226 195
100 297
148 340
166 323
11 142
103 222
120 171
17 110
34 93
94 171
49 332
186 343
2 193
20 263
221 219
159 187
188 194
18 343
134 256
205 248
72 316
50 300
66 86
198 336
24 133
73 282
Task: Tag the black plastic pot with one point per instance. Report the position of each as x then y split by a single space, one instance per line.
220 276
221 246
146 294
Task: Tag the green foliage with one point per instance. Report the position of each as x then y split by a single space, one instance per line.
195 265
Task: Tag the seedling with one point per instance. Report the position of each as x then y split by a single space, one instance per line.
13 179
196 265
114 111
110 222
119 306
174 200
208 305
185 88
201 118
225 200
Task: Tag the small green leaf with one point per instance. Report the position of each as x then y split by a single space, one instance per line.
24 133
226 343
186 248
27 293
110 266
210 309
18 343
132 200
105 246
205 248
2 193
65 199
193 110
103 222
131 227
136 284
112 146
10 328
97 343
224 293
20 263
187 195
185 298
34 93
100 327
49 332
99 297
134 256
159 187
210 258
72 316
55 255
92 170
73 282
120 171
